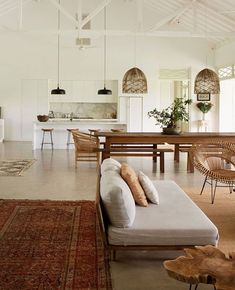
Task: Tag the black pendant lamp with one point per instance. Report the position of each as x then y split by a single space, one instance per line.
104 91
58 91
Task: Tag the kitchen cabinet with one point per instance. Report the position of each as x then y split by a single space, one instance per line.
34 101
1 130
131 112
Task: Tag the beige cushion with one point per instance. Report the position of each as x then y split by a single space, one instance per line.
177 220
110 164
117 199
131 178
148 187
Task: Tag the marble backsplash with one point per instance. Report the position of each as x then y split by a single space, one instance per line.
85 110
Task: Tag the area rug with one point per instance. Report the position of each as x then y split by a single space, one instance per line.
51 245
221 213
14 167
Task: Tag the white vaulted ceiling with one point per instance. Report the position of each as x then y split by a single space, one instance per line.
210 19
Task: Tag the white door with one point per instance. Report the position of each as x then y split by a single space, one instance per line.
227 106
135 114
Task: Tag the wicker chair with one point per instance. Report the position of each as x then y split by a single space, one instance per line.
217 162
86 147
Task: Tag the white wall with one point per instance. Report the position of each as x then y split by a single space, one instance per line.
25 56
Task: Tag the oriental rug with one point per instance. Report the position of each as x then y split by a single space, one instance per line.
14 167
51 245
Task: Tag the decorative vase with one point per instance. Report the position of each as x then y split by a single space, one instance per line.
171 131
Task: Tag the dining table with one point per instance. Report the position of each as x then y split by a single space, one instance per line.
154 138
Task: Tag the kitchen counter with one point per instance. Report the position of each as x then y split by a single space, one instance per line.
61 125
83 120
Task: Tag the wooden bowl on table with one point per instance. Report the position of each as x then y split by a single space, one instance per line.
43 118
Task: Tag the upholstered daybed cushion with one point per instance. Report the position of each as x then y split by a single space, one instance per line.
110 164
117 199
177 220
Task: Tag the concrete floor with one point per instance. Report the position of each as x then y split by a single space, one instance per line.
53 176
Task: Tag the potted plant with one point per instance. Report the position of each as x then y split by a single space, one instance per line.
204 107
168 118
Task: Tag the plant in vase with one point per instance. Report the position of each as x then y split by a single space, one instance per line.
204 107
168 118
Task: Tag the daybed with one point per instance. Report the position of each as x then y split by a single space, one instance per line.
175 223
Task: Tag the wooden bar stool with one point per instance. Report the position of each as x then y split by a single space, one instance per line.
69 136
47 130
92 131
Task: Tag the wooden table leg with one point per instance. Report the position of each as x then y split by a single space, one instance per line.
107 147
155 153
177 153
190 166
162 162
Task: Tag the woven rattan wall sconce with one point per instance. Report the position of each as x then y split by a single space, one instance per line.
134 82
207 81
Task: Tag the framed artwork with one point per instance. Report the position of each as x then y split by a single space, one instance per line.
203 97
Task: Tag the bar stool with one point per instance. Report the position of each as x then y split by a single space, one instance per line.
117 130
93 131
47 130
69 136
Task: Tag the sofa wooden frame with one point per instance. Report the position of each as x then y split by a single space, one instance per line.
112 249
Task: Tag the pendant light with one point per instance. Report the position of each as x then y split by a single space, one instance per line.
207 82
58 91
104 91
134 80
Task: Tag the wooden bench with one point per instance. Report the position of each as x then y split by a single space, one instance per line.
127 150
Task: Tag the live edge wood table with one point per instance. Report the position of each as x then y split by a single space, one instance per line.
153 138
204 264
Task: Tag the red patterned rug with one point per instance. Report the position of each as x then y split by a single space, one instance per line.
51 245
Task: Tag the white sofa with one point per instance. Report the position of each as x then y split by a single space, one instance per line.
175 223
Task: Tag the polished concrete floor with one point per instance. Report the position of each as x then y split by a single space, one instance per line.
53 176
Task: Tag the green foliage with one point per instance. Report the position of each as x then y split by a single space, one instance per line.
204 107
168 117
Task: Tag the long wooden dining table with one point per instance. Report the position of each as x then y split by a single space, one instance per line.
155 138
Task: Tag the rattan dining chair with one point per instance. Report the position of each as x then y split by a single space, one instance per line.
215 160
86 147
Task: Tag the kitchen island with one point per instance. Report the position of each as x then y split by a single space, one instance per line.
60 132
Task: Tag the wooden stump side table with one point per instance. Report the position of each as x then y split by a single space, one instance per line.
204 264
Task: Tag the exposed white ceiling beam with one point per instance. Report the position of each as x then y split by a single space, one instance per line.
220 17
169 18
8 7
79 12
227 11
184 9
99 33
96 11
64 11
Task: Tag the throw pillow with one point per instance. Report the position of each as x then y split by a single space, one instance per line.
131 178
110 164
148 187
117 199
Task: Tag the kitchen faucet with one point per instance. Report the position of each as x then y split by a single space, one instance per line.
71 116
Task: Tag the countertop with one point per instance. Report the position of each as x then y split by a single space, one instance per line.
61 121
